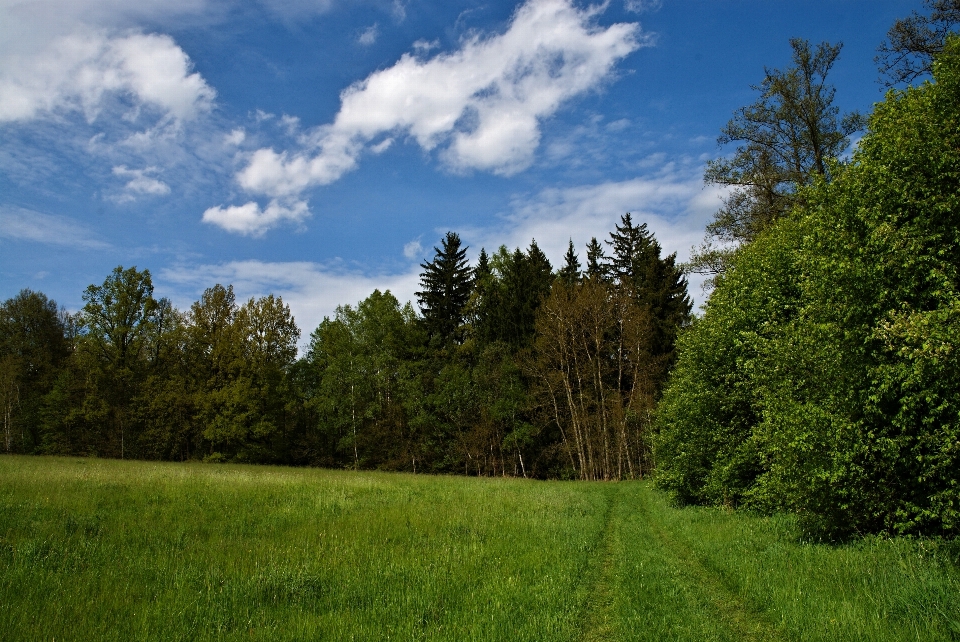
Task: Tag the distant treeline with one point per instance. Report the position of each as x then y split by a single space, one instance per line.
509 368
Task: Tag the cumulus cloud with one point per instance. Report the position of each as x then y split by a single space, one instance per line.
252 220
480 106
79 71
235 137
141 182
17 223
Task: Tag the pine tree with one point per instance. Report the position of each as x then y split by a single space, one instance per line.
632 247
570 272
446 282
657 283
482 298
595 259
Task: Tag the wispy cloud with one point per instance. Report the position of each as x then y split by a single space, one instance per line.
639 6
17 223
413 249
369 35
480 106
140 183
312 290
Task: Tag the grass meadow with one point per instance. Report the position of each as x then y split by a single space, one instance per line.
117 550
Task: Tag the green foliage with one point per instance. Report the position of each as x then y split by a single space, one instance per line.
33 346
359 362
706 451
822 381
446 283
787 139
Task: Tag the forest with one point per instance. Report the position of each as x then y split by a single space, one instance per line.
510 368
819 378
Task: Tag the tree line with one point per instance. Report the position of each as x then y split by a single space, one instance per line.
508 368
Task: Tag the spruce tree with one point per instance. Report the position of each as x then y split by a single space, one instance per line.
595 259
570 272
446 282
657 283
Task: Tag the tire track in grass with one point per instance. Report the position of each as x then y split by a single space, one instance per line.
733 613
599 621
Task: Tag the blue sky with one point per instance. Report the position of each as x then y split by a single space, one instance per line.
318 149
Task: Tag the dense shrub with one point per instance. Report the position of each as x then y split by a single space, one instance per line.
822 377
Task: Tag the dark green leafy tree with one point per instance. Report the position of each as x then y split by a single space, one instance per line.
362 363
914 42
820 379
34 343
119 322
786 140
446 283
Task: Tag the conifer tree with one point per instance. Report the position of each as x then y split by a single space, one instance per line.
446 282
570 272
595 259
656 282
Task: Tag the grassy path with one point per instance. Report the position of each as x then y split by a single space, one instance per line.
599 623
680 597
107 550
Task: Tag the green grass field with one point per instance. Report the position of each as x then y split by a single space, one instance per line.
112 550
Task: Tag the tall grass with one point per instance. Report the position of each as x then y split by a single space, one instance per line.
733 576
112 550
118 551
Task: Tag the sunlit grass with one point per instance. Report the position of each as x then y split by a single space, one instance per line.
111 550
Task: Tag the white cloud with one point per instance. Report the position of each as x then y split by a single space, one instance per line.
399 10
413 249
424 47
235 137
140 182
639 6
312 290
290 123
252 220
481 105
369 35
80 71
382 146
675 205
22 224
